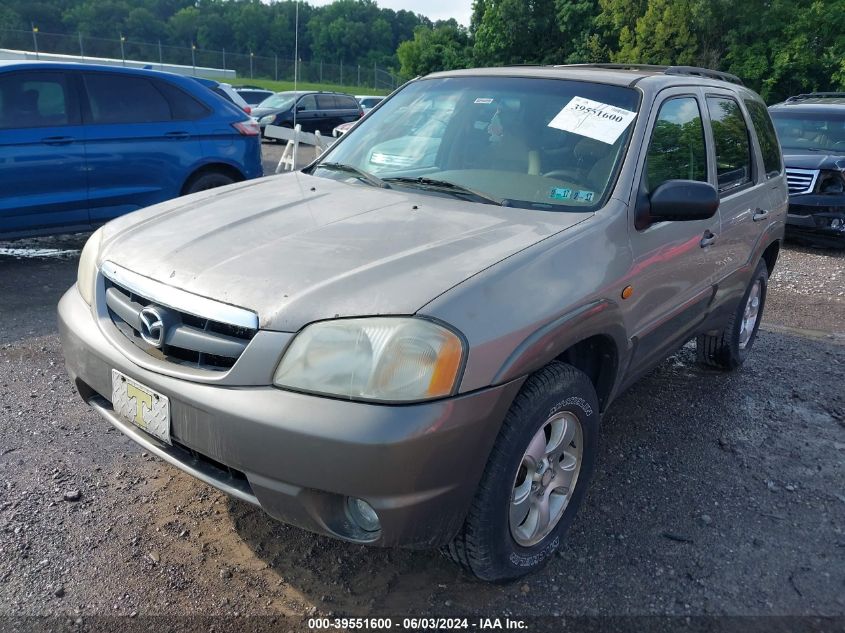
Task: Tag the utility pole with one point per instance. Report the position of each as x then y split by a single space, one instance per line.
81 50
194 58
34 38
276 66
160 58
251 55
122 53
224 59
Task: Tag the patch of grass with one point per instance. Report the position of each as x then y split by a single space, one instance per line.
279 86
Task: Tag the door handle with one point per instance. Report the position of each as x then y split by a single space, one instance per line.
58 140
176 135
708 239
760 214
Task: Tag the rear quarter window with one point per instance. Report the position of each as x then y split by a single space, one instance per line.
769 145
183 106
347 103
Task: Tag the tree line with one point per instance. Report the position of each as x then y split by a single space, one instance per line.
350 31
778 47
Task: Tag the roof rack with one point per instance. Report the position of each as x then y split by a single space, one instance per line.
666 70
817 95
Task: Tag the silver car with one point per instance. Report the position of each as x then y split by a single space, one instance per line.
411 342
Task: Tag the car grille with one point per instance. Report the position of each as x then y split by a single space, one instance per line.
801 180
187 339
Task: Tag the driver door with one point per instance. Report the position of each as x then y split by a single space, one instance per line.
674 263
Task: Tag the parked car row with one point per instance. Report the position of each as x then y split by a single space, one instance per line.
81 144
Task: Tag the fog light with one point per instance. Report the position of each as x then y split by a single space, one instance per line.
362 514
835 223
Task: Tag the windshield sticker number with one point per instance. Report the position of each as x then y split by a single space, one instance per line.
583 196
593 119
560 193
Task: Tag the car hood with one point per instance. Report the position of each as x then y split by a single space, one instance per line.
813 160
297 248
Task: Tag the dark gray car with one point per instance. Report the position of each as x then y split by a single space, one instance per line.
411 342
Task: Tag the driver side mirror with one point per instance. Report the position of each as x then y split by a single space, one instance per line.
300 108
678 201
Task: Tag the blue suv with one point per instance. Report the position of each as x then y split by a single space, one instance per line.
81 144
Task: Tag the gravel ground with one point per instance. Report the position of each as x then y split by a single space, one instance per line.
715 494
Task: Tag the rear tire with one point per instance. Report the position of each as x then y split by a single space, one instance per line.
729 348
501 539
207 180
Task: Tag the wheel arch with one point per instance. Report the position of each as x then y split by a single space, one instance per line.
591 339
209 168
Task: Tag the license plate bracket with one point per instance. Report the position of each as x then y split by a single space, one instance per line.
146 408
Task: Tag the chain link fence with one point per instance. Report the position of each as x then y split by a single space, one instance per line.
246 65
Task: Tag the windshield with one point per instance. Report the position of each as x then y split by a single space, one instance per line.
811 131
279 101
526 142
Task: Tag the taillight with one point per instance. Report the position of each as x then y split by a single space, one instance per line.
247 128
247 109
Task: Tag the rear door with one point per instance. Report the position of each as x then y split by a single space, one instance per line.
139 152
349 109
675 264
740 180
307 114
42 157
329 112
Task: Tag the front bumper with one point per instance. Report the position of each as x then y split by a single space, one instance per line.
816 219
299 456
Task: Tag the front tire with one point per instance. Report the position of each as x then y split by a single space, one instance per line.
729 348
535 479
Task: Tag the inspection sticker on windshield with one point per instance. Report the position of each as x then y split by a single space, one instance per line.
560 193
593 119
483 100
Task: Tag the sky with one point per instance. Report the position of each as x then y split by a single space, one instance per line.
461 10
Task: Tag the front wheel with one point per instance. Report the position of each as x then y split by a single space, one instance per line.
535 479
729 348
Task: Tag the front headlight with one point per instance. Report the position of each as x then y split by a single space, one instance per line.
86 276
267 119
381 358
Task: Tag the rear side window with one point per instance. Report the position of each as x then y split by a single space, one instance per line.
183 106
123 99
308 102
733 151
327 102
769 146
677 150
39 99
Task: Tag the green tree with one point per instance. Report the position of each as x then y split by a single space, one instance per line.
443 47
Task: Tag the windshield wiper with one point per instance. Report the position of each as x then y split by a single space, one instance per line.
375 181
444 185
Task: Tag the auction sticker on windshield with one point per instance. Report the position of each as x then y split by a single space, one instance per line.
593 119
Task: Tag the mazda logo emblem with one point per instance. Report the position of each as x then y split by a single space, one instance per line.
152 326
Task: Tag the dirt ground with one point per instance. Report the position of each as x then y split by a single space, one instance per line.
715 494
